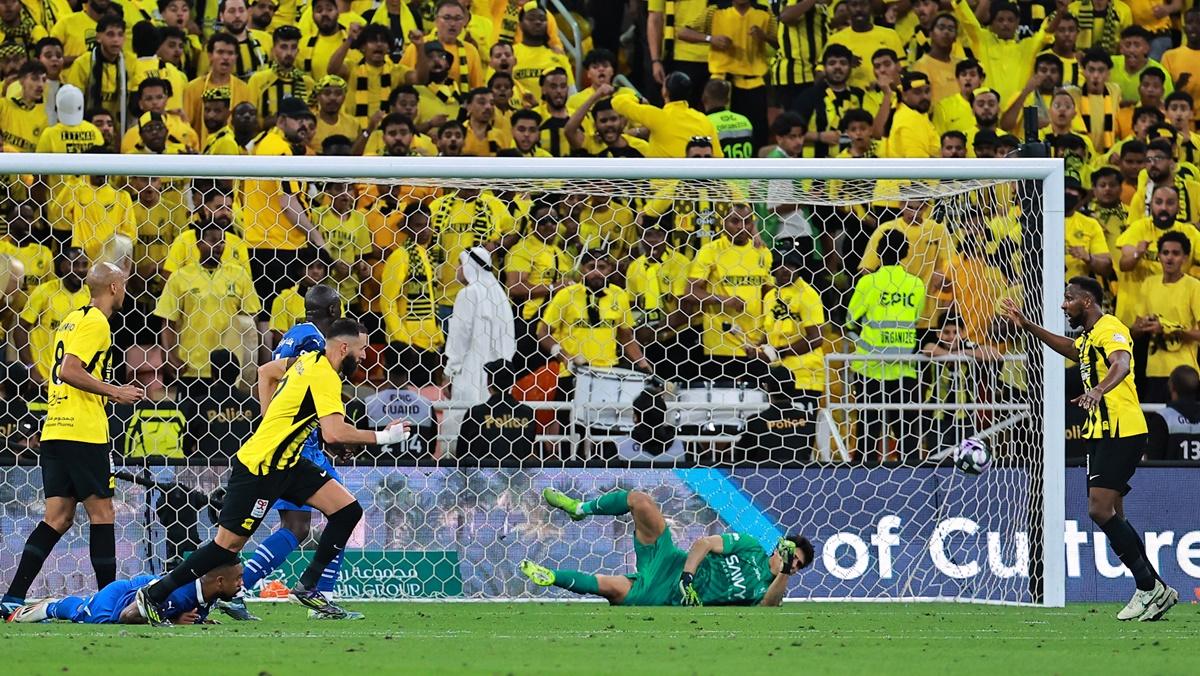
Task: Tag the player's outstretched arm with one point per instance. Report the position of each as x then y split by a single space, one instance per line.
335 430
1060 344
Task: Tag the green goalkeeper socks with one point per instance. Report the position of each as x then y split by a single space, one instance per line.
575 581
615 503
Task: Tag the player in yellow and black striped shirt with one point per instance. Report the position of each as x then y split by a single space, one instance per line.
269 466
1115 430
74 453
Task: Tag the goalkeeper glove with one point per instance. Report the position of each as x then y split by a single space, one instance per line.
786 549
687 591
392 435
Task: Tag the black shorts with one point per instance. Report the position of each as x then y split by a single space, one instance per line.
1112 462
73 469
249 496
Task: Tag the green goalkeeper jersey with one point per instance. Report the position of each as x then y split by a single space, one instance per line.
738 576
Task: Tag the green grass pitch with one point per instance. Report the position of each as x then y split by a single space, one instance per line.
589 638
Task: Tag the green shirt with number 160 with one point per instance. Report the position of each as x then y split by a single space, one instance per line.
734 132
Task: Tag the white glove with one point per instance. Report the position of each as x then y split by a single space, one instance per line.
392 435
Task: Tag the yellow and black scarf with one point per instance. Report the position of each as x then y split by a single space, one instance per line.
416 288
251 57
288 82
480 225
1112 25
1105 124
21 33
362 90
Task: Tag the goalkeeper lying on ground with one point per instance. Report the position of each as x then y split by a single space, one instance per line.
727 569
115 605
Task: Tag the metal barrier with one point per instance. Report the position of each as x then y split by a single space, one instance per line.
573 46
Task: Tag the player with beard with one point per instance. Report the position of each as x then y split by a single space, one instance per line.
322 306
609 139
75 449
1115 430
912 133
271 465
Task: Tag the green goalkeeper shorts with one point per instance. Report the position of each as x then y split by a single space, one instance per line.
656 582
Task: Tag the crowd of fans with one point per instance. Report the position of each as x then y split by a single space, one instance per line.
688 290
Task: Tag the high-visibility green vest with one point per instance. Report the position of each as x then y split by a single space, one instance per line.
884 309
156 432
734 133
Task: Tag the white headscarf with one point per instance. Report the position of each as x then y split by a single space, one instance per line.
476 265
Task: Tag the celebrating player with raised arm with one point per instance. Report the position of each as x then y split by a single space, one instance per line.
1115 431
322 306
718 570
114 604
270 466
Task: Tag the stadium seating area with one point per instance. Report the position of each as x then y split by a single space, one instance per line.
617 289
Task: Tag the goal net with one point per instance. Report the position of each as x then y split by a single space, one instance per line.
742 340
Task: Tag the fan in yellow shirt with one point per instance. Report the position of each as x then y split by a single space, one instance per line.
591 322
214 202
347 239
369 73
656 280
1139 249
1168 315
864 38
1086 245
462 219
408 298
22 116
332 120
793 319
729 279
97 213
536 265
21 244
287 310
206 306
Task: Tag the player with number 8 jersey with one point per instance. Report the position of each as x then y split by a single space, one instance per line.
74 452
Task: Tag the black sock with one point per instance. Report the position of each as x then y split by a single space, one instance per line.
1128 547
102 546
39 545
1142 548
338 528
209 557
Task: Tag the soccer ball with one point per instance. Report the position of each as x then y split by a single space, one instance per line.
972 456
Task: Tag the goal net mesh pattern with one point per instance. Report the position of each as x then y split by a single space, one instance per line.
756 413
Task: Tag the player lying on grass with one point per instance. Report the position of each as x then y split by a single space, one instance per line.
718 570
115 603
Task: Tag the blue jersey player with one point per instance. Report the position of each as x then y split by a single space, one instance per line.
322 305
114 604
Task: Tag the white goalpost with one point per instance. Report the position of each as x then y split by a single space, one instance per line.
869 481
